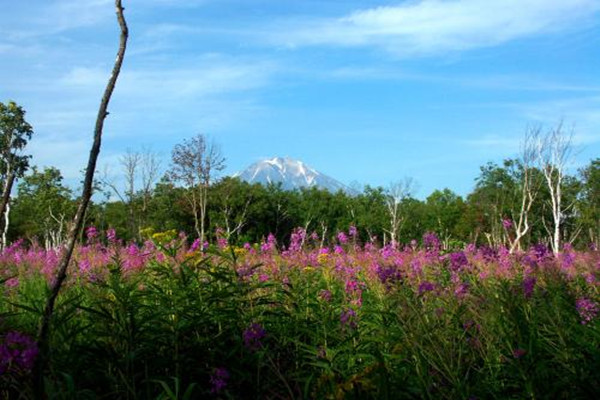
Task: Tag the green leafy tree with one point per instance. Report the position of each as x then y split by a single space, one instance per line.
15 132
589 204
444 209
42 207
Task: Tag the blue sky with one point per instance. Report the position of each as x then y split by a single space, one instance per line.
364 91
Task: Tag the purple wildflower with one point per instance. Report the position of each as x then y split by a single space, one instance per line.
431 242
17 352
507 223
587 309
253 336
388 275
528 285
462 290
218 380
352 231
426 287
348 318
326 295
518 353
541 251
458 260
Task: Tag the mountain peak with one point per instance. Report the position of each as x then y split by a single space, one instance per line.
292 174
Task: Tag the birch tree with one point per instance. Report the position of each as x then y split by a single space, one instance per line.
554 152
528 186
395 194
194 163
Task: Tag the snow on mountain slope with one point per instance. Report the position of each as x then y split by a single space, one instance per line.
292 174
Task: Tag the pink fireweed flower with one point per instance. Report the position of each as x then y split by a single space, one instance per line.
91 233
269 245
84 266
370 247
507 223
12 283
343 239
588 310
111 235
462 290
353 287
222 242
195 245
297 240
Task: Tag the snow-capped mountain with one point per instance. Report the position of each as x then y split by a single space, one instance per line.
292 174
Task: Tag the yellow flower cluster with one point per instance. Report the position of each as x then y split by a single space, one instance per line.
164 237
322 258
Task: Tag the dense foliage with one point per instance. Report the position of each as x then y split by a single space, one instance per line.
246 212
170 320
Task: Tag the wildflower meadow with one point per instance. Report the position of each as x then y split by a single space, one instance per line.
176 319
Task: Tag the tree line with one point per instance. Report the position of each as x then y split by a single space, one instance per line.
522 201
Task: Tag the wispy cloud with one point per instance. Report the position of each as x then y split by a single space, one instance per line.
495 143
55 17
208 76
436 26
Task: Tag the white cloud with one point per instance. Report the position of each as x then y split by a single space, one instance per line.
55 17
495 143
433 26
83 76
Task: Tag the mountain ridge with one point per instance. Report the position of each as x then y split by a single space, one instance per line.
291 173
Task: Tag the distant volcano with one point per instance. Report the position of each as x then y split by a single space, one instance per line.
292 174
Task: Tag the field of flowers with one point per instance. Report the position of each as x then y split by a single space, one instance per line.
174 320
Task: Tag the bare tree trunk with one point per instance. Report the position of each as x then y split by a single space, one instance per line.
6 223
44 328
529 188
203 201
10 180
